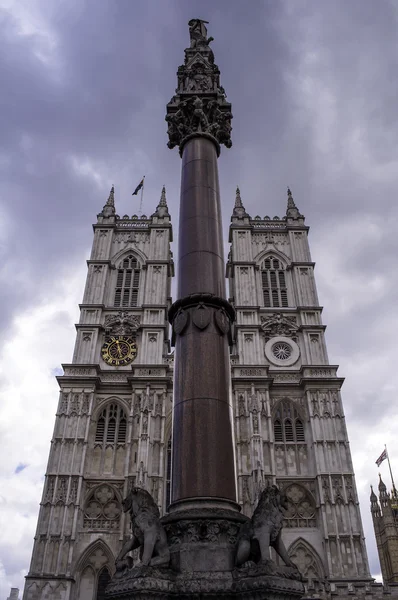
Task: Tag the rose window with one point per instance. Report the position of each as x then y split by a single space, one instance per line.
281 350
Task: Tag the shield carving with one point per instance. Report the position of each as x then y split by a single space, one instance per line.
201 316
222 321
180 321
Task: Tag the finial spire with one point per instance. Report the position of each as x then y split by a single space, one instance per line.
292 212
239 210
109 207
238 199
382 485
162 209
111 198
374 504
163 201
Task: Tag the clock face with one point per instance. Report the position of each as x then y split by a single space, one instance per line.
119 350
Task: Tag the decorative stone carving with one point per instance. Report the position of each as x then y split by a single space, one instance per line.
48 496
122 323
264 530
73 490
180 321
148 533
75 404
301 510
198 33
222 321
102 509
64 404
199 106
198 116
62 487
279 325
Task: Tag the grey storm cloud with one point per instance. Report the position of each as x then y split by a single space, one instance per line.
313 88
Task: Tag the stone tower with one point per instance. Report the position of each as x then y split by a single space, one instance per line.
385 523
289 419
113 422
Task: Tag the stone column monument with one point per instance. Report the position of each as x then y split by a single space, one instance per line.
203 547
199 120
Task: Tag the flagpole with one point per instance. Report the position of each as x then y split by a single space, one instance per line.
142 196
389 466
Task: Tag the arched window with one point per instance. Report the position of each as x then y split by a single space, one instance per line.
127 282
273 283
111 425
103 580
288 425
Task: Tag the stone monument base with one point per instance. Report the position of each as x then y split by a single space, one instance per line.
202 542
250 582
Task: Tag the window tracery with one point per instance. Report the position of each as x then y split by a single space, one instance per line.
273 283
288 424
127 282
301 511
111 425
102 509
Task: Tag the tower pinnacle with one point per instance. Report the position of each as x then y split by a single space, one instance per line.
239 210
109 206
162 209
292 212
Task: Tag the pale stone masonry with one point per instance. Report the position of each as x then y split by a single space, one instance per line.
113 423
289 419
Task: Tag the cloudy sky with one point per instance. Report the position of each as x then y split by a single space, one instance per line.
313 86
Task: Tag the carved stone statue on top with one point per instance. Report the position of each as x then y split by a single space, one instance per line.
148 533
264 530
198 33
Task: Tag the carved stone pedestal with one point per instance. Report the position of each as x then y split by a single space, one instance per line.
202 544
150 582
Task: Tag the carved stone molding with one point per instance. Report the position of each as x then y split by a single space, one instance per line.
206 300
122 323
279 325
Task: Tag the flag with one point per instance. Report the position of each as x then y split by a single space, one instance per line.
382 457
139 186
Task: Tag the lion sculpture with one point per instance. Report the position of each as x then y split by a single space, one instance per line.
148 533
264 530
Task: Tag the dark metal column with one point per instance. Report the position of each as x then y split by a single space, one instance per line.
199 120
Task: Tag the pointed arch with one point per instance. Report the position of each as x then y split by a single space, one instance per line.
91 557
97 410
307 559
111 420
284 258
288 422
273 266
119 256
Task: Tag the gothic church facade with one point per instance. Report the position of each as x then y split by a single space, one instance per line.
113 423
